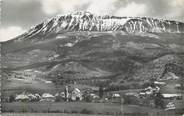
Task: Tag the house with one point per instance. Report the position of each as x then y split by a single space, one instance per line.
94 96
178 86
22 98
48 82
89 96
48 97
170 76
160 83
149 91
32 97
116 95
76 95
38 97
170 106
142 93
59 96
172 96
62 94
133 94
153 89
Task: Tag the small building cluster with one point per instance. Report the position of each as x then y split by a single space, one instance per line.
149 91
68 95
25 97
153 96
74 95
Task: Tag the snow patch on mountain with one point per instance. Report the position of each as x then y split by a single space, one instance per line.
85 21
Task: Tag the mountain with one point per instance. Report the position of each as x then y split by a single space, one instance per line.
85 21
84 46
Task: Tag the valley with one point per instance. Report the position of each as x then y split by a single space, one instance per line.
89 52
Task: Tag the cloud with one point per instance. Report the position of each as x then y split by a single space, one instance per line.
176 9
99 7
95 6
10 32
22 13
132 9
177 3
102 7
152 8
64 6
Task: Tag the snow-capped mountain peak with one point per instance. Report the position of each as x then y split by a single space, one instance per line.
86 21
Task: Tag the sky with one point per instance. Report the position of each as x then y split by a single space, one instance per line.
17 16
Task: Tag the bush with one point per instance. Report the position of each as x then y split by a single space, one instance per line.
12 98
55 111
58 99
74 111
159 102
86 111
24 110
131 100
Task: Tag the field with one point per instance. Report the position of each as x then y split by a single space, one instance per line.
82 108
43 114
63 114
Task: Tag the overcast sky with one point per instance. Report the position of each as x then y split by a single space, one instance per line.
19 15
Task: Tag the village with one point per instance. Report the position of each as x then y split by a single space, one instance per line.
152 96
162 94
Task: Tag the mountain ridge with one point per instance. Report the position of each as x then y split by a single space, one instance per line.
86 21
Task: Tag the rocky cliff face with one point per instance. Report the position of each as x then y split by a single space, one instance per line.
85 21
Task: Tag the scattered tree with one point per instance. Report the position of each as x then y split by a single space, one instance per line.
12 98
101 91
159 102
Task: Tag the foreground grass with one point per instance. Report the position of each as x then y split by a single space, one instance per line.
74 114
81 109
46 114
62 107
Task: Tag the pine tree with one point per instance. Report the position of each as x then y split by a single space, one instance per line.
101 91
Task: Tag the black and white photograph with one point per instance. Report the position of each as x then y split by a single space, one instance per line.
92 57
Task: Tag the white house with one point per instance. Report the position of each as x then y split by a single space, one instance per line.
134 94
31 97
22 97
170 106
172 96
177 85
38 96
116 95
76 95
47 97
159 83
94 96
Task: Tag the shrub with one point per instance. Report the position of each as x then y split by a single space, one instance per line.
74 111
86 111
12 98
24 110
131 100
159 102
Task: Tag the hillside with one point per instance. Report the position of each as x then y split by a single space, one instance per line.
83 45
